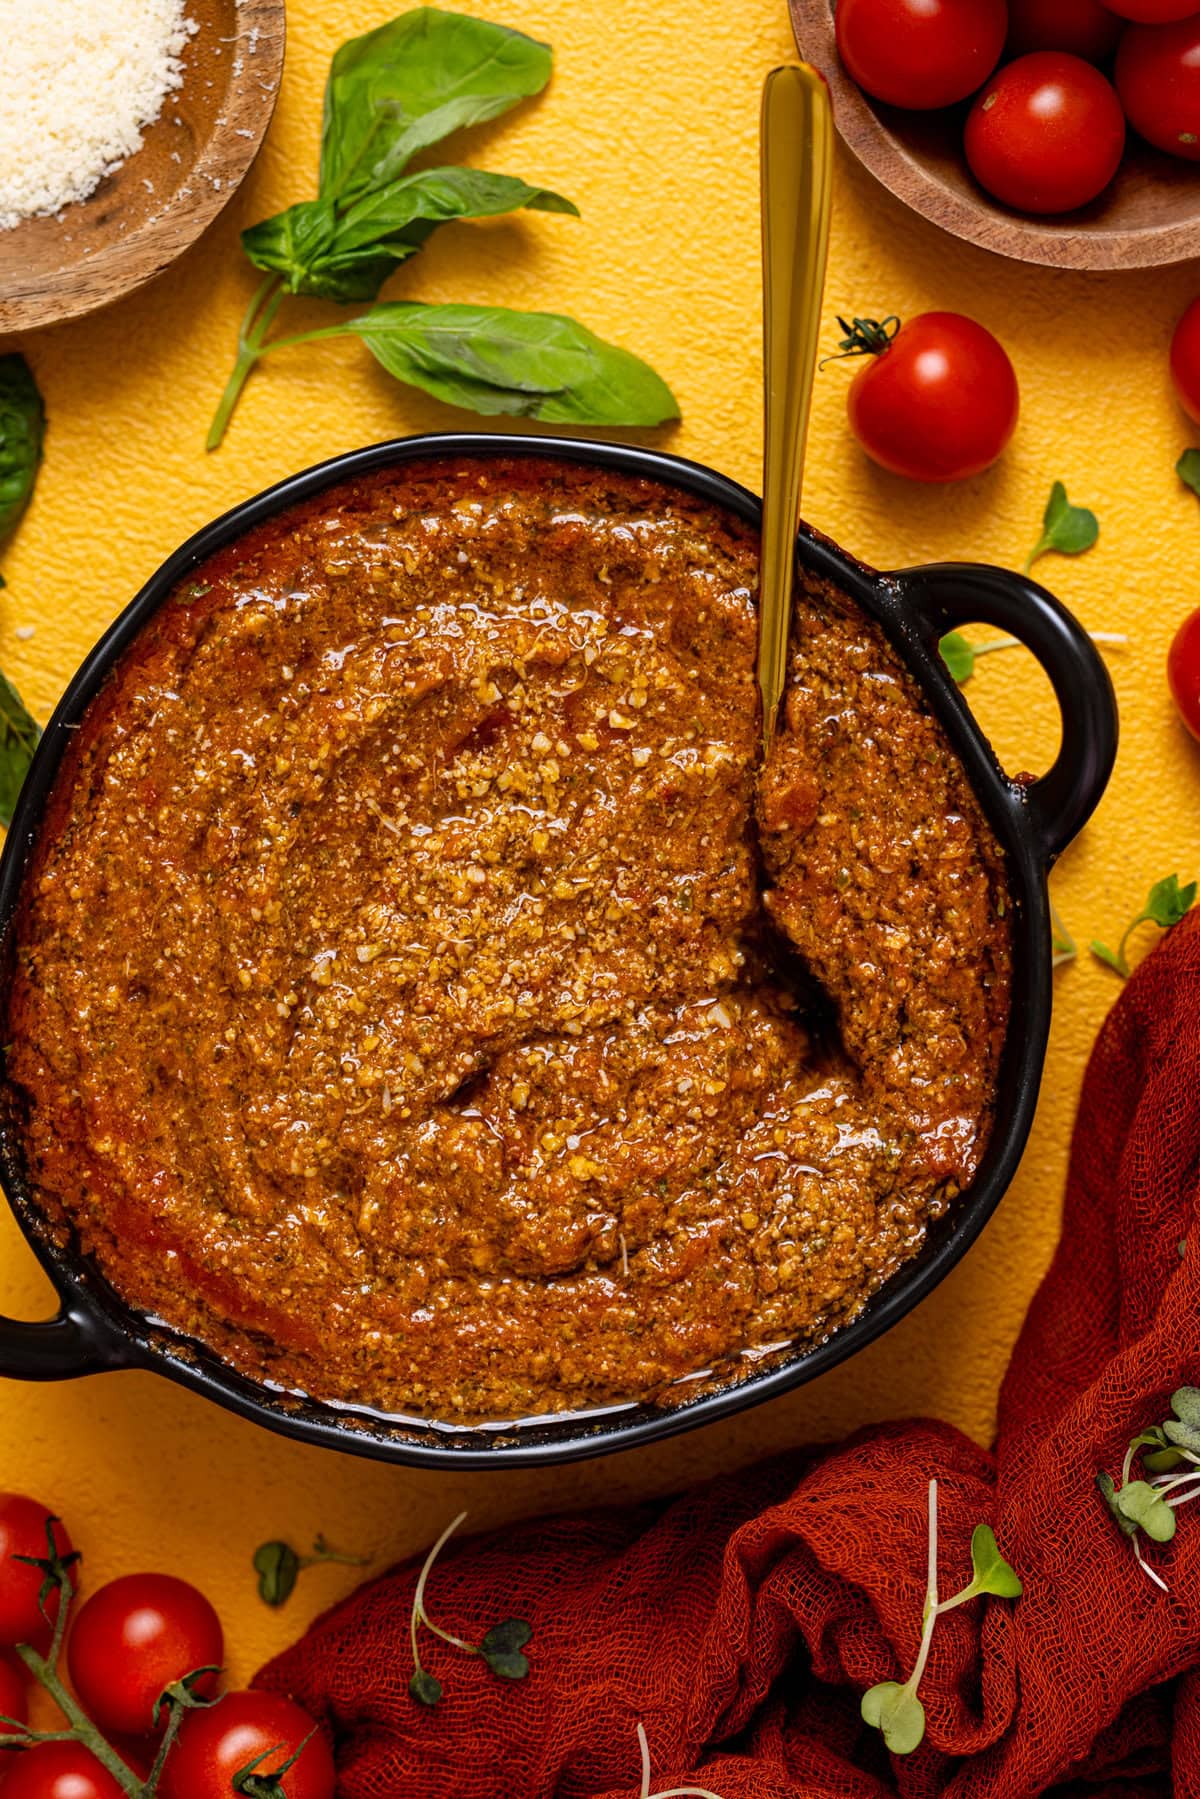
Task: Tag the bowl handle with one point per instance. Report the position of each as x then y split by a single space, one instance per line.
960 593
72 1343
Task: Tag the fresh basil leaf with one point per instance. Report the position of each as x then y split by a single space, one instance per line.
410 83
1169 902
1188 469
897 1712
417 204
992 1573
958 656
532 364
22 429
19 735
1138 1501
277 1566
1068 529
348 256
290 242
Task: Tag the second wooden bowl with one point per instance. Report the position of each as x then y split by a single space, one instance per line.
158 202
1149 216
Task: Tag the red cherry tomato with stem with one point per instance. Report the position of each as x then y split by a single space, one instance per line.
1158 79
215 1744
1185 361
920 53
1183 672
58 1771
23 1532
132 1639
1046 134
14 1694
939 402
1081 27
1151 12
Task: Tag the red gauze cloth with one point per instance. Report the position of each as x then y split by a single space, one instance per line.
741 1622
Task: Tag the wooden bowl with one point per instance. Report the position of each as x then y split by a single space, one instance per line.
158 202
1149 216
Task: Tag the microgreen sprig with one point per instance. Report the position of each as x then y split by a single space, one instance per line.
1063 945
278 1566
670 1792
178 1699
896 1710
1167 903
1146 1506
1070 530
960 655
501 1648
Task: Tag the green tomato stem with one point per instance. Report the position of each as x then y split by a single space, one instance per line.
82 1729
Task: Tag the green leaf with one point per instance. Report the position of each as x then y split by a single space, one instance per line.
958 656
19 737
22 429
508 1664
1163 1461
348 256
1188 469
1108 1492
277 1566
1185 1403
1183 1436
532 364
992 1573
504 1639
425 1688
1169 902
1068 529
408 84
895 1711
1109 957
1138 1501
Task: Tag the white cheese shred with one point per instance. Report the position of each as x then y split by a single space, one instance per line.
82 80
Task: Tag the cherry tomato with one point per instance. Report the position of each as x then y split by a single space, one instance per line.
1185 361
1082 27
1158 79
1046 134
939 403
920 53
1151 12
1183 672
216 1744
58 1771
14 1693
132 1639
23 1532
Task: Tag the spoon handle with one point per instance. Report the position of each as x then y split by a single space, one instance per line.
797 191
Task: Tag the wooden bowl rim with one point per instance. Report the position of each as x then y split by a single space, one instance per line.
1052 243
249 107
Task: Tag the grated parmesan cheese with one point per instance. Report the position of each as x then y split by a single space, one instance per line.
82 80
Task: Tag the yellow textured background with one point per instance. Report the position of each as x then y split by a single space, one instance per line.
650 125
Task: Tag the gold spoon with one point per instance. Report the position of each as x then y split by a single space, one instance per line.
797 194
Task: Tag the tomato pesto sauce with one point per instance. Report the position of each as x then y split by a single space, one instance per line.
422 996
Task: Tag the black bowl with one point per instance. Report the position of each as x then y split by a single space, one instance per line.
1033 819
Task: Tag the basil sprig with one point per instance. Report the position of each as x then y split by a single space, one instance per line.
22 429
391 94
